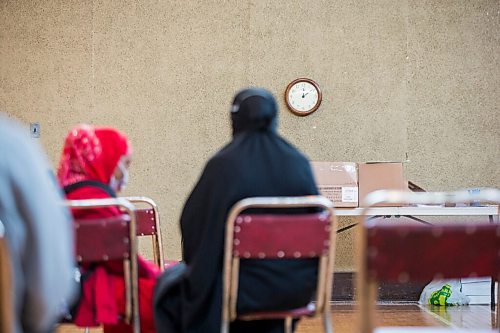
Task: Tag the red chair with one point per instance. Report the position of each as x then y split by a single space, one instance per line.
148 224
401 252
99 240
248 236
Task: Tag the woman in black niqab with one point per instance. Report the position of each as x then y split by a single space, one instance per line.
257 162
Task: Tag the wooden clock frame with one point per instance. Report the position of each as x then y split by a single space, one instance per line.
298 112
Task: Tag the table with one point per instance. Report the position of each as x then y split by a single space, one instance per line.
421 211
412 211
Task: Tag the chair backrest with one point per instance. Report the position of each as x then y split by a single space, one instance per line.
293 236
446 250
253 232
6 301
148 224
114 238
102 239
402 252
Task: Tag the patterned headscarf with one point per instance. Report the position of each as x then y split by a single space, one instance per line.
91 153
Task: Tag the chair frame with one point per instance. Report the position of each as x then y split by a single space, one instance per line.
6 306
367 286
231 263
158 256
131 275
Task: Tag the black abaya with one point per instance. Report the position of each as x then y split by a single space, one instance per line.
257 162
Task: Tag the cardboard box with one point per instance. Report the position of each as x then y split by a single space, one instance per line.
337 181
380 176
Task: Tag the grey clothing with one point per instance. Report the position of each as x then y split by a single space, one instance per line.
38 231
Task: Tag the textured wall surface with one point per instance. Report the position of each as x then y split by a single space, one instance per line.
416 79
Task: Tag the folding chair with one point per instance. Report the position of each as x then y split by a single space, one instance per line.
100 240
148 224
6 301
402 252
274 236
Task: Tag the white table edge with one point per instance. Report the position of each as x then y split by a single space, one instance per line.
420 211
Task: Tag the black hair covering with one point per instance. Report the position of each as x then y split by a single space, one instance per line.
254 110
257 162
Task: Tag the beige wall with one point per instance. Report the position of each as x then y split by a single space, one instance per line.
398 77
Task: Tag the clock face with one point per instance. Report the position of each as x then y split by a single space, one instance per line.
303 96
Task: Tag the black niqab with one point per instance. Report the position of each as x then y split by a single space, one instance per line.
257 162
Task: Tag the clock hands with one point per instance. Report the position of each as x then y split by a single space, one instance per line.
305 94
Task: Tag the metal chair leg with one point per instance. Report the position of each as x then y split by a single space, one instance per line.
87 330
498 305
288 325
327 323
224 326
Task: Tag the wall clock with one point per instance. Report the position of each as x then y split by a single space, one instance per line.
303 96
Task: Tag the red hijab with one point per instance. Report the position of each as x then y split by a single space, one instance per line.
91 153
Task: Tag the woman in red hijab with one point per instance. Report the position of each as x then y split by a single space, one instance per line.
94 165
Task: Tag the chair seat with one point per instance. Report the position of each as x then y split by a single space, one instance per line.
430 330
308 310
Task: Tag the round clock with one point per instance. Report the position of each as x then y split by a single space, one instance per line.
303 96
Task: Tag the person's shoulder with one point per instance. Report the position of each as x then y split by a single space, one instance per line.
13 135
214 164
222 153
88 192
219 165
16 144
92 192
223 156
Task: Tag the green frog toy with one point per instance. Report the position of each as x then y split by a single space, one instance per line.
439 297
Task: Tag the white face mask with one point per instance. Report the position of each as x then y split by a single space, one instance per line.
119 185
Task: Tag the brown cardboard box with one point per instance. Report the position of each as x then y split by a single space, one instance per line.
338 181
380 176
